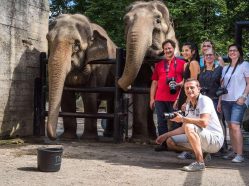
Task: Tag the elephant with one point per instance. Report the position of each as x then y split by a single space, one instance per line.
73 42
147 25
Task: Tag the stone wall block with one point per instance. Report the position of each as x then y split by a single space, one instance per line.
23 29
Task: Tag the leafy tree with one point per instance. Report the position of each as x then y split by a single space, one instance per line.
194 20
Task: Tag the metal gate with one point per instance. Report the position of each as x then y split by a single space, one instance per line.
120 103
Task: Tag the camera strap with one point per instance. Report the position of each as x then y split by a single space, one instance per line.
191 107
167 67
231 74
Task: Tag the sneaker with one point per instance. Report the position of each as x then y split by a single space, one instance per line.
185 155
238 159
230 155
195 166
207 156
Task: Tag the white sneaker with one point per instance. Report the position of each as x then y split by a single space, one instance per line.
185 155
229 155
238 159
195 166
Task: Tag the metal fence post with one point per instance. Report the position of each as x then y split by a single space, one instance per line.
43 75
118 129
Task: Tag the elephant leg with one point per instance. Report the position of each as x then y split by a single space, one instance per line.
108 132
68 104
143 124
90 125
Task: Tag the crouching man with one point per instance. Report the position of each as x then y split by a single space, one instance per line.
201 132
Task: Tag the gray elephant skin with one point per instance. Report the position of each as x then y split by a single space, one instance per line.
73 42
147 25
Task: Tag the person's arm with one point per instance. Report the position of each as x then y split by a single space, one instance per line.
153 89
243 97
221 61
194 69
219 105
201 122
160 139
180 84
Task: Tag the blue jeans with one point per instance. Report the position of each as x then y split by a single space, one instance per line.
233 112
162 107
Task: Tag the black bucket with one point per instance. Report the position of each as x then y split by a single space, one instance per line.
49 159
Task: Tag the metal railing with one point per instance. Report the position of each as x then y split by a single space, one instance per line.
120 103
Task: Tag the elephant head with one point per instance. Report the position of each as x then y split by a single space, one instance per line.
73 42
147 25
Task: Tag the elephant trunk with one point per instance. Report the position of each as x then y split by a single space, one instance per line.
139 39
59 65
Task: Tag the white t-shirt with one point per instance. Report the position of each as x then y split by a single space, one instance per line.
237 83
205 106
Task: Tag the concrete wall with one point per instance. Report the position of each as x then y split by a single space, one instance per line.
23 29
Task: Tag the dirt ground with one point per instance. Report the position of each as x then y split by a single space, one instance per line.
106 163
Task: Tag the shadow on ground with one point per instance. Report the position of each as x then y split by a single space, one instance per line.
132 155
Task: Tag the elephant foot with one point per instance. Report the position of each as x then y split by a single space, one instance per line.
91 137
68 136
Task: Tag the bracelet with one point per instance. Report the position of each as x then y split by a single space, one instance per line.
244 96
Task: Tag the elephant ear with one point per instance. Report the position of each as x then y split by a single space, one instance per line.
170 33
164 11
99 47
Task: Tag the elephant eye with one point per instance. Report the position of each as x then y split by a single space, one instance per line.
126 19
158 20
76 46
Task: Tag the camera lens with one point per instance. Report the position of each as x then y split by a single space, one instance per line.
169 115
172 86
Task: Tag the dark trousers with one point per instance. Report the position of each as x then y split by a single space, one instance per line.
162 107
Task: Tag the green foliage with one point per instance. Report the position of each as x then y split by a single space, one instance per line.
194 20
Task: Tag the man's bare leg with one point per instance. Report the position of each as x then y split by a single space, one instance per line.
171 145
194 141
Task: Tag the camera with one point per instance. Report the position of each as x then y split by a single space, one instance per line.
171 115
172 85
204 90
221 91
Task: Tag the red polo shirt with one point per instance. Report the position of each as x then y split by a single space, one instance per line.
160 75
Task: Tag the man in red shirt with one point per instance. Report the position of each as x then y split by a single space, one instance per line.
166 82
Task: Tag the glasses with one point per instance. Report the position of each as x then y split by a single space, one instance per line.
206 46
209 55
165 49
233 50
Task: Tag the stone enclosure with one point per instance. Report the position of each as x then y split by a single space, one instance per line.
23 29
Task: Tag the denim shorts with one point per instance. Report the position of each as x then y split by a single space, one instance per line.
233 112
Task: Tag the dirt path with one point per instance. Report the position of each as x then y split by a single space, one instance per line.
89 163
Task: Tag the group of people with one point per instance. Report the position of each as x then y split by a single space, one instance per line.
205 90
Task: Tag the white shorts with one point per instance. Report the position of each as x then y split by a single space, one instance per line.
210 142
